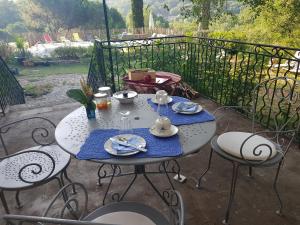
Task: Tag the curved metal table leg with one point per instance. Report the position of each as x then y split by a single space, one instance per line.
167 174
114 167
279 211
198 185
155 189
235 170
128 187
99 183
19 206
178 177
4 203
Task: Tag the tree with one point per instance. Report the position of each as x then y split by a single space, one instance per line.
253 3
115 19
52 15
137 13
36 17
273 22
202 11
8 13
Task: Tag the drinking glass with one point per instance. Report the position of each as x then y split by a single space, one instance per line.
161 97
162 102
125 123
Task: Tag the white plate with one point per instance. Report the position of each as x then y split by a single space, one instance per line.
154 100
174 107
164 133
110 150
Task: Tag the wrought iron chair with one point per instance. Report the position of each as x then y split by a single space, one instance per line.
31 166
122 213
272 102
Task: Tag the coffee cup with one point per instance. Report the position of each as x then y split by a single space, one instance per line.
163 123
161 97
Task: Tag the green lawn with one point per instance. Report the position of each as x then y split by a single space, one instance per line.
41 71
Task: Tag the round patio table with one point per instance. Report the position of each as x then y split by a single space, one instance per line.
72 131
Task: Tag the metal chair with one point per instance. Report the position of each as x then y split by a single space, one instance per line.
275 103
122 213
31 166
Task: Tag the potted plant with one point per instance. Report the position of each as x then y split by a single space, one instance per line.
85 97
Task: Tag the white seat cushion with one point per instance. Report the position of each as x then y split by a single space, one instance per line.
231 143
124 218
10 167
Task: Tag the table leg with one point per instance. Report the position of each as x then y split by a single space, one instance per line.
138 169
114 167
155 189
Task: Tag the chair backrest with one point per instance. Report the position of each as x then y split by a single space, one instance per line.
38 220
76 37
69 205
176 207
276 104
70 201
47 38
64 39
40 129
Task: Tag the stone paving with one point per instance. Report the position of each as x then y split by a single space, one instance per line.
61 83
255 202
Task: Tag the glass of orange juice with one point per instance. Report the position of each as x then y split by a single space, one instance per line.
101 100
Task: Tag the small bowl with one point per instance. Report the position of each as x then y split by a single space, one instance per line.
125 97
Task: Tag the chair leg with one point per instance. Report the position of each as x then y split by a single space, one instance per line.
235 170
4 203
279 211
250 172
69 180
19 206
198 185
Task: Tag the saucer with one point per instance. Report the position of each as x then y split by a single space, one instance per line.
154 100
174 108
164 133
108 145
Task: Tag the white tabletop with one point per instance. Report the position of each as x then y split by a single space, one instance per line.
72 131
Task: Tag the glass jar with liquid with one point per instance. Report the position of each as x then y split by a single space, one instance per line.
107 91
101 100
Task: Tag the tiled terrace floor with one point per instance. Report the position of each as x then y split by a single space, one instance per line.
255 203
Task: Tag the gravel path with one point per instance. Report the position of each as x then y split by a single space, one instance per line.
61 83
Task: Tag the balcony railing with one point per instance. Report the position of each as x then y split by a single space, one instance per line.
11 93
224 71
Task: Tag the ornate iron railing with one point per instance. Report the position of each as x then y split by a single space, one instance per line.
11 92
224 71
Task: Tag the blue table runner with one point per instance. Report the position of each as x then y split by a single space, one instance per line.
181 119
93 148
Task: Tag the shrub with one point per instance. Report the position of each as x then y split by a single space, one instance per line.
73 52
232 36
5 36
6 51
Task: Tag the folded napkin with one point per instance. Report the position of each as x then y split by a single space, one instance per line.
187 107
121 149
